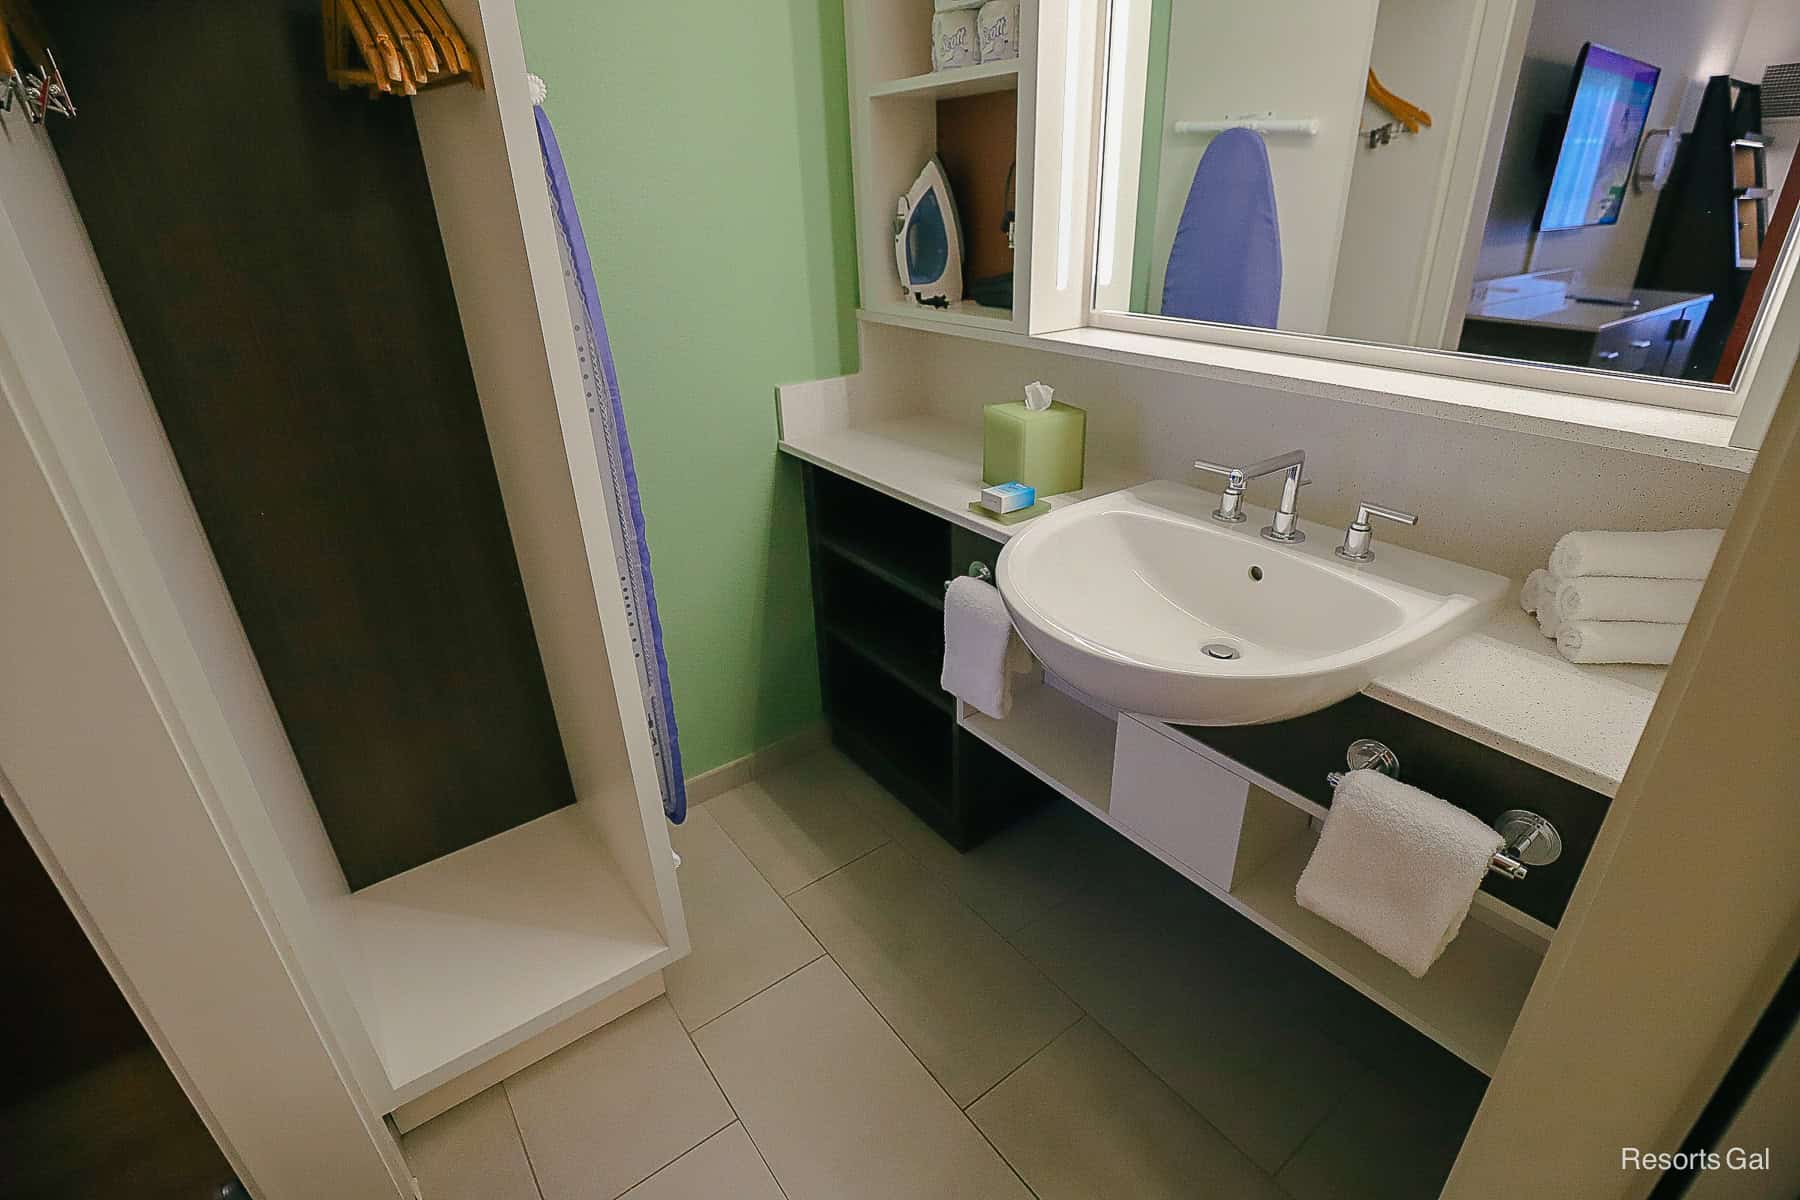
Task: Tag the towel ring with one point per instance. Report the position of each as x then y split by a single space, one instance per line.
1531 840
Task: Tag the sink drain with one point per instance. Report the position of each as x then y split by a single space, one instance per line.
1223 650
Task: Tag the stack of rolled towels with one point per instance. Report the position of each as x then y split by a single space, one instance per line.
1620 597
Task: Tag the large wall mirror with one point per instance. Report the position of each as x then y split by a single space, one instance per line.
1597 184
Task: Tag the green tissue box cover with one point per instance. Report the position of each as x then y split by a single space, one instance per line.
1043 449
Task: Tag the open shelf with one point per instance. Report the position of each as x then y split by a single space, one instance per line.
956 81
904 577
901 638
470 954
903 740
884 537
1468 1002
966 314
1059 740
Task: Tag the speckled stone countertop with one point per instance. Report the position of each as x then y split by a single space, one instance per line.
1505 686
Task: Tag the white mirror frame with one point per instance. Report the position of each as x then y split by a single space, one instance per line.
1071 103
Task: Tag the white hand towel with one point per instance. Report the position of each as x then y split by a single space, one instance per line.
1672 554
1397 867
1618 598
981 651
1650 642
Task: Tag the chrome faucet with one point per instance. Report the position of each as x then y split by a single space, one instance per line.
1285 525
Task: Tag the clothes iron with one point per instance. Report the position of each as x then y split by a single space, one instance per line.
928 246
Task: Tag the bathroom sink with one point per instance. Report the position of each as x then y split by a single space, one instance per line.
1142 600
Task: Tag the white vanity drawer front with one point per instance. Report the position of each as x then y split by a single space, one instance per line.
1185 803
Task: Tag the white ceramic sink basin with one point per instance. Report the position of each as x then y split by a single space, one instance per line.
1123 596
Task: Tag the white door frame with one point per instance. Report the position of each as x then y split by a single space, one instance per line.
96 761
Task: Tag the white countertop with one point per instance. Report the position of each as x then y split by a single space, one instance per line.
1504 686
1583 315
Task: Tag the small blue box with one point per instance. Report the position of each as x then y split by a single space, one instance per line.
1008 497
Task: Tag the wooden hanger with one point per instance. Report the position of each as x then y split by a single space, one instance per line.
404 45
1410 115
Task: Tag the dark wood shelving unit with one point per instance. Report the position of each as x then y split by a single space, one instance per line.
879 568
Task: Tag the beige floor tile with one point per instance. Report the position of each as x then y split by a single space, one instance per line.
1085 1119
744 936
800 822
617 1106
725 1165
838 1106
1045 859
1384 1142
963 1000
472 1152
1207 1001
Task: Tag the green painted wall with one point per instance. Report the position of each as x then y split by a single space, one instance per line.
709 149
1156 82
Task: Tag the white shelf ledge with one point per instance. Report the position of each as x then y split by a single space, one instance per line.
1000 76
966 315
1649 429
1058 739
471 954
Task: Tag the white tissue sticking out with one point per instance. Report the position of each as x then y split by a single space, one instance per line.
1038 395
538 90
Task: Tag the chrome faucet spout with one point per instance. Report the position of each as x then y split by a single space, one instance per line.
1285 525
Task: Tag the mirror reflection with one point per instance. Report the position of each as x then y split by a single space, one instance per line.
1583 183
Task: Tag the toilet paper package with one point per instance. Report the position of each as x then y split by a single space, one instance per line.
997 30
954 40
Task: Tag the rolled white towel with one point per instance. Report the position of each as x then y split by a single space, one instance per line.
1650 642
1397 867
1619 598
1671 554
1549 622
1532 594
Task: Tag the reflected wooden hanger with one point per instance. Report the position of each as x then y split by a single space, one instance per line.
1410 115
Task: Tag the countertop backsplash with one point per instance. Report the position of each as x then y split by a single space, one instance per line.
1492 498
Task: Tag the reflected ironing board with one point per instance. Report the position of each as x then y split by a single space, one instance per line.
1225 263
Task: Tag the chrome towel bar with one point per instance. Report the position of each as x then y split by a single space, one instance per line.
1531 840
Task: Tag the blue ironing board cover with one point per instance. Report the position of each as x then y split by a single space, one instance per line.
1225 263
631 551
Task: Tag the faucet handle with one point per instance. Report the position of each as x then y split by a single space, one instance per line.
1359 536
1231 500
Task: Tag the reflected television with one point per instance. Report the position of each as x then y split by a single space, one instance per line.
1609 103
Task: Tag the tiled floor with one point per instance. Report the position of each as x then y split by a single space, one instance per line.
868 1013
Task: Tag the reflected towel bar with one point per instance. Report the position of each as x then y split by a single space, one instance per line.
1306 126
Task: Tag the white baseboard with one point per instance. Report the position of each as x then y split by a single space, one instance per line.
739 771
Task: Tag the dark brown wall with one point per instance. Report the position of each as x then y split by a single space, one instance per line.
88 1108
273 251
